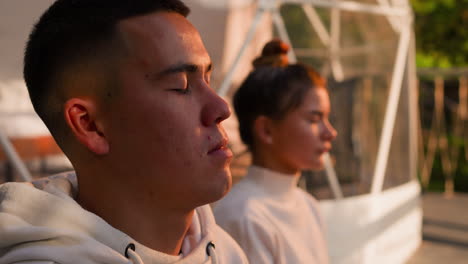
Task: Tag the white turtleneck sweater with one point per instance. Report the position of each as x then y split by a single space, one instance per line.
47 226
273 220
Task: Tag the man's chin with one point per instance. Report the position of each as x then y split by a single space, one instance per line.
223 188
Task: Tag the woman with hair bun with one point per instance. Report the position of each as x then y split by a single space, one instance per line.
283 112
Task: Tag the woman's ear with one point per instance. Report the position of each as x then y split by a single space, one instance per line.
81 116
263 129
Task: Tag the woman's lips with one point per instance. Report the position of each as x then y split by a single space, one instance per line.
324 150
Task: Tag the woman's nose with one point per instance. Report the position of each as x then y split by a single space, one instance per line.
329 132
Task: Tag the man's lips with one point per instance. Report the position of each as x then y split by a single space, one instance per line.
220 146
221 150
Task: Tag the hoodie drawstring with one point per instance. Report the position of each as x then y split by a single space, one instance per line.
210 251
131 254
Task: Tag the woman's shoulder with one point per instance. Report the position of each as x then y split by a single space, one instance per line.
309 200
244 201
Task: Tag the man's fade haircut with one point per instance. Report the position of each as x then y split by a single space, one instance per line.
76 32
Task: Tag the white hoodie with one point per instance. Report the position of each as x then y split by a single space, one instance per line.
48 226
273 220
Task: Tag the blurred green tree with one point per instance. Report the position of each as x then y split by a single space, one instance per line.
441 28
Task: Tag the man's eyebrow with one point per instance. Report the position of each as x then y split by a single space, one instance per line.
183 67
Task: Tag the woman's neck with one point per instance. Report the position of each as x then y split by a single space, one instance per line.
268 161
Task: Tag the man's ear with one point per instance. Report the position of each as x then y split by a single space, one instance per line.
263 129
81 117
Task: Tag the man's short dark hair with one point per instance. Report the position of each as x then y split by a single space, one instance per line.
76 32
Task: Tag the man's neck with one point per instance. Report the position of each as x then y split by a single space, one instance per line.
136 215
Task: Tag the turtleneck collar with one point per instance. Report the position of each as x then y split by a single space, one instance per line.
273 182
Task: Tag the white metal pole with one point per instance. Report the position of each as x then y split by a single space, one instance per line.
283 33
391 110
317 24
413 107
224 88
355 7
336 66
14 158
394 23
332 178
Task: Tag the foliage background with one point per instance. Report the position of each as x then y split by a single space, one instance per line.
441 28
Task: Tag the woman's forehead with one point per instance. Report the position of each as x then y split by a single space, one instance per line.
317 98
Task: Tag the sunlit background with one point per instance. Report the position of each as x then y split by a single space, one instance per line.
395 189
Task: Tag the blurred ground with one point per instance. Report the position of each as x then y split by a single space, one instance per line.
445 230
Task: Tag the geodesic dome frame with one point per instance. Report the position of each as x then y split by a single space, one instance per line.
399 17
381 224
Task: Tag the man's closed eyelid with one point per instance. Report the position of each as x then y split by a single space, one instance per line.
186 90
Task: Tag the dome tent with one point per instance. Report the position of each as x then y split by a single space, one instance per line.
369 193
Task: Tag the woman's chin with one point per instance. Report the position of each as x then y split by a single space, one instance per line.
316 165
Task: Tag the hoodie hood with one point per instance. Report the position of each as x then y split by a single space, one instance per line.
48 225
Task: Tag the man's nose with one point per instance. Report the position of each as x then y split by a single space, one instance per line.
215 110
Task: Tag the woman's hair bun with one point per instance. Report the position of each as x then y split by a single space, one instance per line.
274 53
